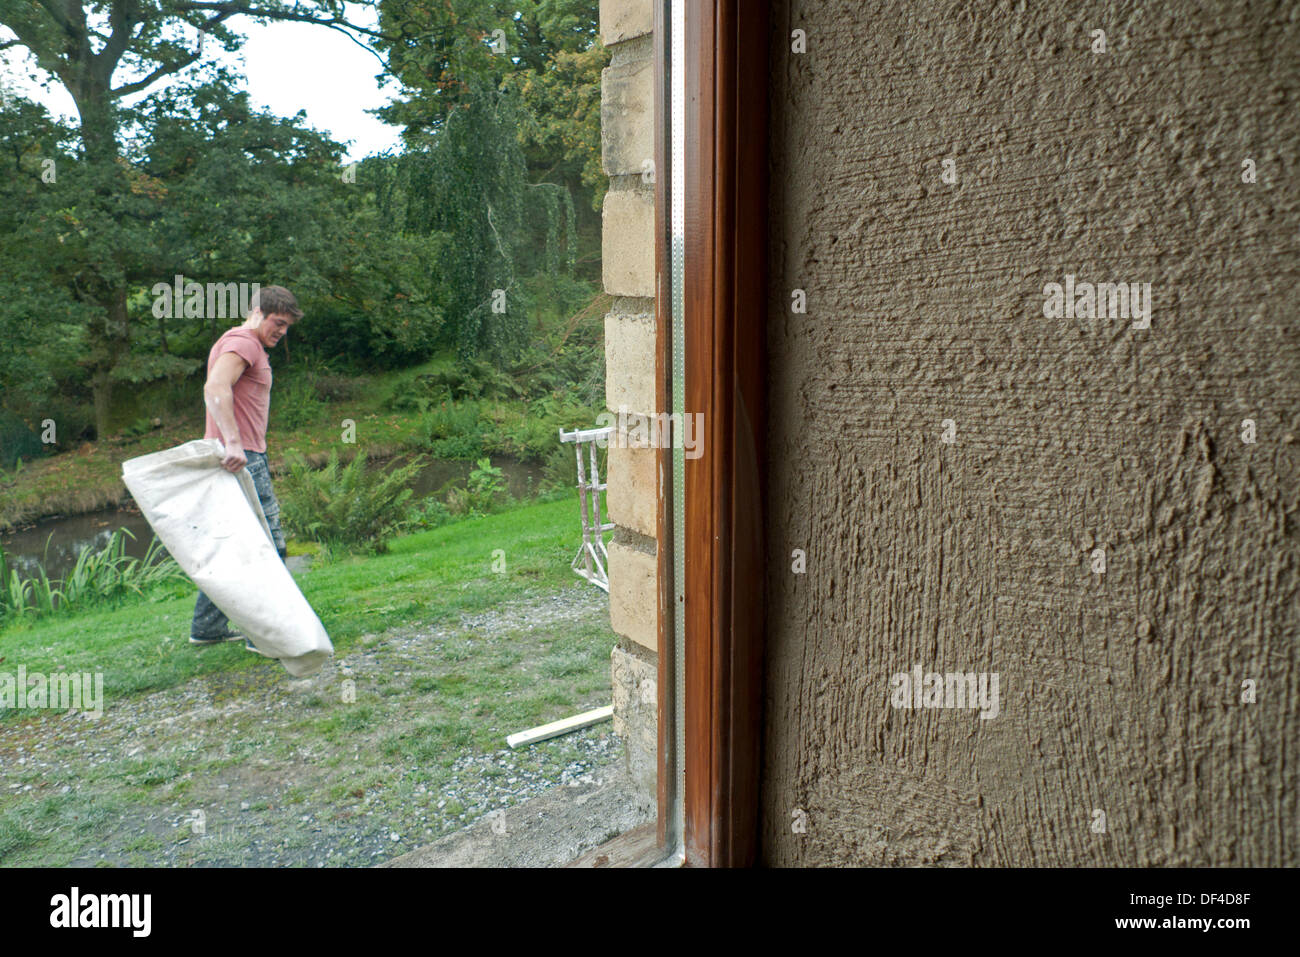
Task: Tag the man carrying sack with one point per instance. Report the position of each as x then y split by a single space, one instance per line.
238 399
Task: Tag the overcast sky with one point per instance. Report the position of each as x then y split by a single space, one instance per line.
288 67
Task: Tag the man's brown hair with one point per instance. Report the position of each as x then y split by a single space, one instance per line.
276 301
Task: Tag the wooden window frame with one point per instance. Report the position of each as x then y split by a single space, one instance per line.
724 300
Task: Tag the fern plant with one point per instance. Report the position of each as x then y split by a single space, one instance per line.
346 505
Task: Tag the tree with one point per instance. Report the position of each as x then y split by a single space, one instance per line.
547 52
40 314
500 109
189 180
106 221
471 183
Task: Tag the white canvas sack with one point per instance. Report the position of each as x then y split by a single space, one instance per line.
211 522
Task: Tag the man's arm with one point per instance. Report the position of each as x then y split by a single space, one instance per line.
219 397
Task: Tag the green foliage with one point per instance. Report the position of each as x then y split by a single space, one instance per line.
501 142
553 217
563 115
346 506
559 469
452 430
100 577
550 64
528 432
515 431
41 317
339 388
457 447
449 419
486 484
75 420
430 512
109 573
443 382
471 407
140 426
17 441
469 183
383 306
498 188
190 180
295 403
568 353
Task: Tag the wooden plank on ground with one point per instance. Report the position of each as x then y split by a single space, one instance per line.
563 726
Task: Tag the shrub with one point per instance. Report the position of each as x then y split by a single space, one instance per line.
486 483
449 419
485 487
296 403
346 505
559 468
457 447
451 381
533 436
109 573
339 388
140 426
457 382
515 432
21 596
17 441
452 431
76 421
430 512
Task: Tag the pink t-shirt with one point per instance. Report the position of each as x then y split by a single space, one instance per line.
252 390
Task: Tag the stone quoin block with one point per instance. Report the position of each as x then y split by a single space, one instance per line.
633 597
630 361
627 117
625 19
632 497
627 243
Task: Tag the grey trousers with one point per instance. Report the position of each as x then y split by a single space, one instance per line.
209 621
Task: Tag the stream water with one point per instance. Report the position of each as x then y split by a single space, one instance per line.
56 542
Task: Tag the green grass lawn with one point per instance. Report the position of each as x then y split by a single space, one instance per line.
427 576
442 668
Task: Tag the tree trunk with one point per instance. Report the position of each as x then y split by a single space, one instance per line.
113 341
100 145
101 385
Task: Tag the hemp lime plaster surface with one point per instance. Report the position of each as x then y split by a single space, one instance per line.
1098 510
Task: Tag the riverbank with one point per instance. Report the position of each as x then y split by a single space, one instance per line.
448 650
90 478
436 409
54 543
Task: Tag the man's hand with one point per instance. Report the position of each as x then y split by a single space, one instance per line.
235 458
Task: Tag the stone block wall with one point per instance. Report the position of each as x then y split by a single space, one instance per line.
628 257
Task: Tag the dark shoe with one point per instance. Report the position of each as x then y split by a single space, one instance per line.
249 646
228 635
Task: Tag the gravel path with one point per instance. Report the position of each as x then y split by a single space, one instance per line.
251 767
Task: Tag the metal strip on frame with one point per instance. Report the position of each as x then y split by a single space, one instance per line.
677 237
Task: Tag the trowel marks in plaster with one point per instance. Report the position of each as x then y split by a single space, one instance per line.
1147 700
